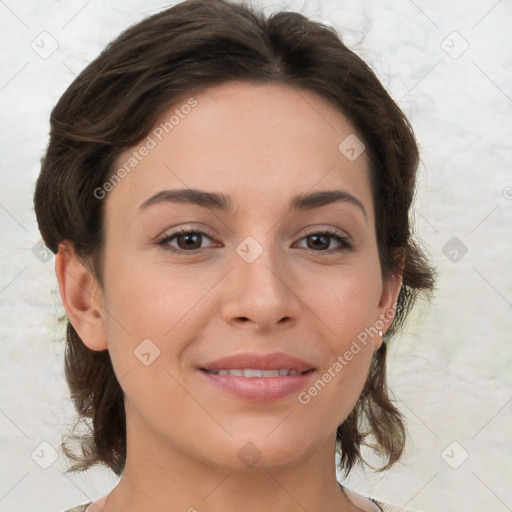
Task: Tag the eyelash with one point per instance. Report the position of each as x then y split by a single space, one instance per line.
164 242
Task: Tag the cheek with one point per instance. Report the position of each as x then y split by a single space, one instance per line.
153 311
333 394
152 299
343 299
346 306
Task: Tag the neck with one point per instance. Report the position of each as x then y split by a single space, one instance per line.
162 477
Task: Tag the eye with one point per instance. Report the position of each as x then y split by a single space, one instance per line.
323 241
184 240
191 241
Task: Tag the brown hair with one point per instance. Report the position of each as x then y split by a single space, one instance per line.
114 103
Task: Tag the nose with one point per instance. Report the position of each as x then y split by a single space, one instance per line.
260 295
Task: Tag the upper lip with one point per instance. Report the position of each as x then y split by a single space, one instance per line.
274 361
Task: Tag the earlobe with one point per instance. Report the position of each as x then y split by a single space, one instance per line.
81 296
387 306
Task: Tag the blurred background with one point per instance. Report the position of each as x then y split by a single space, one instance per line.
449 67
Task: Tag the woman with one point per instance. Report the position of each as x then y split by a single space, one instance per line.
227 195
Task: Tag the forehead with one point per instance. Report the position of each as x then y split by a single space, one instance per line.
248 138
249 116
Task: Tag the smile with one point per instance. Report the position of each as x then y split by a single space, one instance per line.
258 377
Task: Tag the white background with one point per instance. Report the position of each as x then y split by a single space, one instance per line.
451 370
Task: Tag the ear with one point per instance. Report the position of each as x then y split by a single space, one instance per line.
82 297
388 300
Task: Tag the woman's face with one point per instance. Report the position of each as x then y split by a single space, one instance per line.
279 273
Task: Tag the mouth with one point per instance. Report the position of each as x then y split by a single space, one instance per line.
261 378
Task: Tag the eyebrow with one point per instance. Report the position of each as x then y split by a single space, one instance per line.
222 202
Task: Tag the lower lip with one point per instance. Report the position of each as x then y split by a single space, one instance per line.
259 389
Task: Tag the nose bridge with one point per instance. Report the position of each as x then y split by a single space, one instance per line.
260 293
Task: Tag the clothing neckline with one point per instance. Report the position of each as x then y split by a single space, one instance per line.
372 500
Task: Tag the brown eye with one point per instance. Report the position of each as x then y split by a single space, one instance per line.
185 241
318 241
326 241
189 241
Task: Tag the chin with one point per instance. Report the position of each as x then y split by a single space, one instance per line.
263 451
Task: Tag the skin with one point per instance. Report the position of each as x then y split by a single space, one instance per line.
261 145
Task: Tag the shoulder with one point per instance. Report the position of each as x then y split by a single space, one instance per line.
386 507
363 503
79 508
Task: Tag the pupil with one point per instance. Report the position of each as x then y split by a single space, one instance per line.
194 238
319 241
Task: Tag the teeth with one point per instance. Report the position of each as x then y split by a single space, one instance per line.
252 372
